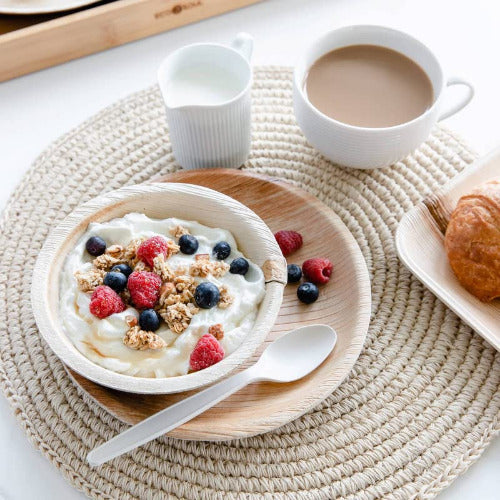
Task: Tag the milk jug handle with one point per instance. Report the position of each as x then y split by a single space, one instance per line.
243 43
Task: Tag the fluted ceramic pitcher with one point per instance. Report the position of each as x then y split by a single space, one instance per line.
206 88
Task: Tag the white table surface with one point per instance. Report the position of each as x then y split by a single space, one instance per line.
36 109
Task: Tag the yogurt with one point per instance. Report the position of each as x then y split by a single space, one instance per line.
101 340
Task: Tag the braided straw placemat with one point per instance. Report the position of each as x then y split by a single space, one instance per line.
419 407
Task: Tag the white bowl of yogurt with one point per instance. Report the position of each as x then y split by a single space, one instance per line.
95 347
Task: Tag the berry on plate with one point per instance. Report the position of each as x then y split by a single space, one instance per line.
105 301
122 268
149 320
206 353
116 280
144 288
308 293
206 295
152 247
188 244
239 266
289 241
317 270
294 273
95 246
222 250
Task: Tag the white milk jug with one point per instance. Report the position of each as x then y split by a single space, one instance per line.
206 88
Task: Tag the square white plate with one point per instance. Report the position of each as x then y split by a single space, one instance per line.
420 245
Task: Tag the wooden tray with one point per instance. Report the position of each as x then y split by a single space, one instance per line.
344 303
420 245
30 43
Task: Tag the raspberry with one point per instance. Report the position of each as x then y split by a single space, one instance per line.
144 288
152 247
206 353
317 270
105 301
289 241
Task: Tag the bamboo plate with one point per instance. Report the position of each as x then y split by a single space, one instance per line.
344 304
420 245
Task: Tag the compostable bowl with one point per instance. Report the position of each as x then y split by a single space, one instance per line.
184 201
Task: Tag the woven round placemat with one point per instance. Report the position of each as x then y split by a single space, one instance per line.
419 407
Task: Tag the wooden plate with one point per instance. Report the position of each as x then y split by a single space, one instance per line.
344 304
420 245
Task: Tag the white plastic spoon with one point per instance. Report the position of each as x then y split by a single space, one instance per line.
288 358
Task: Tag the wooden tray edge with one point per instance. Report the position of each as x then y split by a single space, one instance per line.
98 28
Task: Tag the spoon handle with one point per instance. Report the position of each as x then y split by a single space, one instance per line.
170 418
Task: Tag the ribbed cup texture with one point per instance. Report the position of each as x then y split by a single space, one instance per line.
207 137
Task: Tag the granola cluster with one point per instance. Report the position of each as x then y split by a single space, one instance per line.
88 282
178 315
176 303
179 231
105 262
172 249
162 269
226 299
217 331
130 252
138 339
203 267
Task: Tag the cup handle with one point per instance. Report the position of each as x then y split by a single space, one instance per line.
243 43
454 108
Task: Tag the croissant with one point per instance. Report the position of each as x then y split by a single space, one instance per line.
472 241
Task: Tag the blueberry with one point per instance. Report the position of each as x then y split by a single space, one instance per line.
122 268
294 273
206 295
222 250
149 320
308 293
188 244
239 266
95 246
116 280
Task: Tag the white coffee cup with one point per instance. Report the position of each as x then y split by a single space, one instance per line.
362 147
206 88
